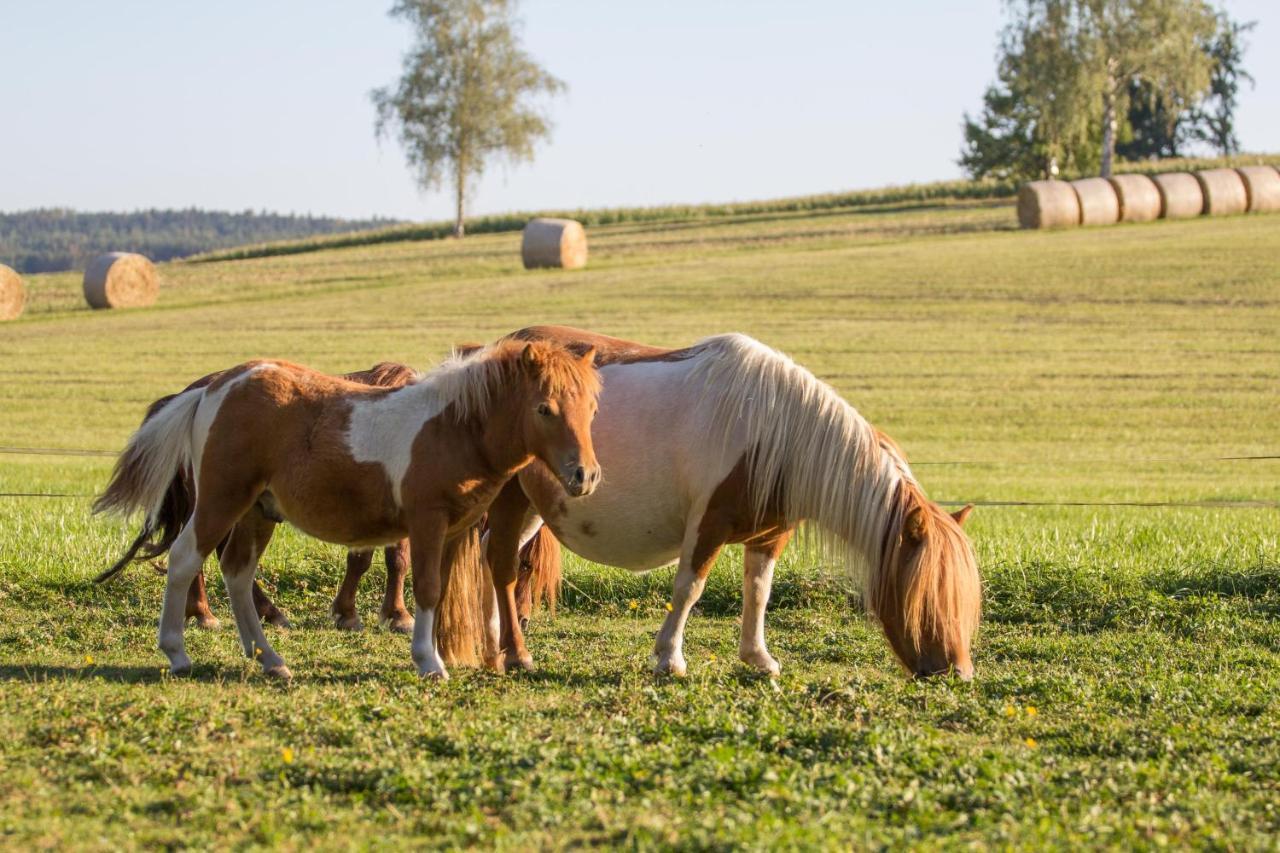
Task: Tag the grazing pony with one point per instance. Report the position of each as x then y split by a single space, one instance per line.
359 466
729 441
158 535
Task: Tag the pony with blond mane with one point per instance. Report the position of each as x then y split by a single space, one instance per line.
355 465
729 441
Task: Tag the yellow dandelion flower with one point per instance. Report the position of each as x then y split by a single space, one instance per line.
1009 710
1031 710
711 658
669 607
286 755
257 651
88 659
1031 743
632 604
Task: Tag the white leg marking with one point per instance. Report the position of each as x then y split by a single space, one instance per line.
757 582
668 648
184 564
253 640
425 653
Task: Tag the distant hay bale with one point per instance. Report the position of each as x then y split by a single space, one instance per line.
1098 202
1262 186
1180 195
13 294
120 280
554 243
1048 204
1224 192
1139 199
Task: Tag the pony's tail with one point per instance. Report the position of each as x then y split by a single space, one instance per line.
150 475
158 535
461 634
542 555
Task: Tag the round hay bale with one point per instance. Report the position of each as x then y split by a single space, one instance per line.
13 294
1224 192
1262 186
120 280
554 243
1098 202
1180 195
1138 196
1048 204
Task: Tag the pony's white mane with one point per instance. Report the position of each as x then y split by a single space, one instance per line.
464 380
805 442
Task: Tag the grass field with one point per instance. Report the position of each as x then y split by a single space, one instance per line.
1128 679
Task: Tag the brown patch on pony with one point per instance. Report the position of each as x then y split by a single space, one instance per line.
927 593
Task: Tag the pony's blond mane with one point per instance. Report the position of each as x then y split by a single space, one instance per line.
812 456
468 378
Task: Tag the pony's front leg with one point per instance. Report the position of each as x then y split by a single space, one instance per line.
509 515
426 549
702 545
757 582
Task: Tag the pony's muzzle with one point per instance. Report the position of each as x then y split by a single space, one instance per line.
582 480
964 673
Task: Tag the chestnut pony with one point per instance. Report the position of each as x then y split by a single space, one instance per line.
159 534
355 465
730 441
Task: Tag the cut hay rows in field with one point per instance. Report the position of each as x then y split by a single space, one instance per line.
13 294
1048 204
1262 186
1180 195
1138 197
558 243
1099 204
1224 192
120 280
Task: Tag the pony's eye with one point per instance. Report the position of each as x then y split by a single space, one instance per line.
544 410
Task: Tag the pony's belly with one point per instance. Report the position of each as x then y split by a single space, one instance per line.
621 530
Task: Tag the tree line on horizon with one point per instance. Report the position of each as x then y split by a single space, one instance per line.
56 239
1080 83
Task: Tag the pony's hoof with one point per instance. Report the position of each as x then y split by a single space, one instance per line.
672 665
207 621
761 662
398 623
434 675
349 622
277 618
180 668
522 663
495 663
279 672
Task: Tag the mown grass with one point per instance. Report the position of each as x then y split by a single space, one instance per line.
1127 667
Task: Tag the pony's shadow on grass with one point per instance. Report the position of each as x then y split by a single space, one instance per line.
121 674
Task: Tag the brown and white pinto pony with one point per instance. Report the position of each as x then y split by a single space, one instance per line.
729 441
158 535
359 466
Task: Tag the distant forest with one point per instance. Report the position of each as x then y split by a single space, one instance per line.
52 240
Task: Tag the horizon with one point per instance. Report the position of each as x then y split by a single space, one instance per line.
650 118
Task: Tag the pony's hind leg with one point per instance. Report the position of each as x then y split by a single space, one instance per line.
345 613
185 562
394 616
702 545
248 540
267 610
198 604
757 582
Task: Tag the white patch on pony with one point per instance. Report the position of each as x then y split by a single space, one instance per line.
382 428
425 653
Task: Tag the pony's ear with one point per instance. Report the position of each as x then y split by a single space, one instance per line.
589 357
962 515
529 357
467 348
916 526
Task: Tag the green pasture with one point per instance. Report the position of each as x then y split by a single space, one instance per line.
1128 686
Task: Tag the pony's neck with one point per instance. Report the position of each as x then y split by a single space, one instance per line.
502 438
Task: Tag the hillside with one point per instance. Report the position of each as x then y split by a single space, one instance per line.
55 239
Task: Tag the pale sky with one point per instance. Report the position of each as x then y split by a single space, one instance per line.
264 104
